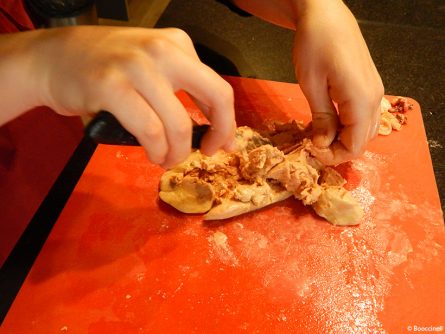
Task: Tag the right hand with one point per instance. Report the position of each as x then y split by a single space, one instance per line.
333 64
134 73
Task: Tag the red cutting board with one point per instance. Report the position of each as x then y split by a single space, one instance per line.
120 261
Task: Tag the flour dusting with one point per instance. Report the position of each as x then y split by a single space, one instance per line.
220 247
434 144
345 272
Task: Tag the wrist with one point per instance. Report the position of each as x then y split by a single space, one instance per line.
288 13
304 7
18 74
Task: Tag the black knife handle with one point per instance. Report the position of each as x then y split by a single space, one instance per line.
106 129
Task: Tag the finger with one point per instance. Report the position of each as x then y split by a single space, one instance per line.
376 122
158 92
175 119
230 146
215 93
201 106
374 127
324 114
332 155
356 119
137 116
156 78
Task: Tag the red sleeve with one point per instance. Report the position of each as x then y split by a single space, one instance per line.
13 16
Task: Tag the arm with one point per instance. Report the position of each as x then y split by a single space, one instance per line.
16 93
332 64
131 72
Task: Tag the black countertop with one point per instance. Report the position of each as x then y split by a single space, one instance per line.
406 40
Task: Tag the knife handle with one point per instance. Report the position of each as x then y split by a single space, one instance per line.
104 128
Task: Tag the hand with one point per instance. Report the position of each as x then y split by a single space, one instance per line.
134 73
333 64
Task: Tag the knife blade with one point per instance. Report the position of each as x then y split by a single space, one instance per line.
104 128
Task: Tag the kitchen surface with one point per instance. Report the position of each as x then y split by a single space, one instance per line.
120 260
103 254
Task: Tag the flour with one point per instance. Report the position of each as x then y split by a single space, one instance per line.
345 274
434 144
220 247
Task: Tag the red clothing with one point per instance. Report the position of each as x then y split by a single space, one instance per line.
13 17
34 148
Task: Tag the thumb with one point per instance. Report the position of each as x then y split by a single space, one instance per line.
324 116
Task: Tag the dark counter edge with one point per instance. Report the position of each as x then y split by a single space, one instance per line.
19 262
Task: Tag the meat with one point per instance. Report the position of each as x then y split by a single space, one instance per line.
188 194
329 176
265 169
392 114
297 175
337 206
255 164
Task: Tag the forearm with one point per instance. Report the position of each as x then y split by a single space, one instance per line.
18 92
285 13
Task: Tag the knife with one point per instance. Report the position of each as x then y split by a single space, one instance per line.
104 128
